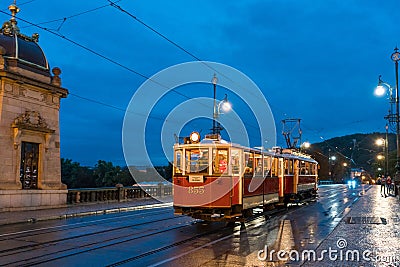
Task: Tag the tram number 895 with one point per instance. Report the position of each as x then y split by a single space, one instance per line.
196 190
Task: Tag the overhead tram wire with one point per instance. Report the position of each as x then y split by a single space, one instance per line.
98 54
118 7
27 2
110 60
113 4
71 16
152 29
114 62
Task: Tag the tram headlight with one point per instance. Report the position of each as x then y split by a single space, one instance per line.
194 137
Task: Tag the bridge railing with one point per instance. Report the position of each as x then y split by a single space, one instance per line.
322 182
118 193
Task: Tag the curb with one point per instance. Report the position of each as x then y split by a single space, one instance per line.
88 213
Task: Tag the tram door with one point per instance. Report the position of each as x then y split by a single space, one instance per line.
29 165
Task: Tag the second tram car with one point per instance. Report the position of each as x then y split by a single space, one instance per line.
217 180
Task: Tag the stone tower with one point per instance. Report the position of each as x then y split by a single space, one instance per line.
30 171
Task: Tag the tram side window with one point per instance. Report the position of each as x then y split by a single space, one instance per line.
304 167
288 166
308 168
197 160
274 169
248 160
178 162
235 161
312 168
258 164
267 166
220 160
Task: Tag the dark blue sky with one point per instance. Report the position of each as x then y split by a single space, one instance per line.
315 60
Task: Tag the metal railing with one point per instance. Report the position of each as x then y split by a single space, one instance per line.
117 193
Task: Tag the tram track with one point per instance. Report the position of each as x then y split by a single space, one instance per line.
33 246
100 243
266 215
104 243
60 228
65 249
252 225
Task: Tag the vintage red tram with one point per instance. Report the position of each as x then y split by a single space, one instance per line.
217 180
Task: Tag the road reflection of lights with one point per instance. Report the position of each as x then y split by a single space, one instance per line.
345 200
259 222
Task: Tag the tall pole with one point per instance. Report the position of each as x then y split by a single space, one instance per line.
387 151
396 57
329 162
214 81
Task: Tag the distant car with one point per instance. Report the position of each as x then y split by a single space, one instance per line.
353 182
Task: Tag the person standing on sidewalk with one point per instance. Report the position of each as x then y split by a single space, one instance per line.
383 185
388 184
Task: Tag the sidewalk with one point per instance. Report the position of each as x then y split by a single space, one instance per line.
76 210
368 235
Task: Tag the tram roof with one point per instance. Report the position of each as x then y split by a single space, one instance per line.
283 153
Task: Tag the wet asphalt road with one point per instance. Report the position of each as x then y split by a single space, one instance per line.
158 238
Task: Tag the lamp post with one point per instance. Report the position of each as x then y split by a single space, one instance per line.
393 117
214 81
396 57
224 105
387 151
330 160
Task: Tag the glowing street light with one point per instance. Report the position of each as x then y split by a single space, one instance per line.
380 142
306 145
380 90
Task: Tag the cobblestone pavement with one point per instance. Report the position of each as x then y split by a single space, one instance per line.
369 235
12 217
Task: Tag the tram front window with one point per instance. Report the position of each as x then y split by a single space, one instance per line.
220 158
197 161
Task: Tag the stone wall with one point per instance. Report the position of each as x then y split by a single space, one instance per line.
13 200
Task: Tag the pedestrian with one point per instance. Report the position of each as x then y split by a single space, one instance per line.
388 184
383 185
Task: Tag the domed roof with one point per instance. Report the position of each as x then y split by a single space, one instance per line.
20 50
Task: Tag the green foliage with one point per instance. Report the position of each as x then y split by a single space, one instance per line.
76 176
105 174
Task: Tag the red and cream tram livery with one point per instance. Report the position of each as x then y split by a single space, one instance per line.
217 180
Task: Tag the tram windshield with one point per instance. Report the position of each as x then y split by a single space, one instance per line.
197 160
220 158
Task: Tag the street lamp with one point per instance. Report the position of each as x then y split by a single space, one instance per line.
380 142
393 117
306 145
223 105
396 57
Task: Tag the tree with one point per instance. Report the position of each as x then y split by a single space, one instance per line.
106 174
76 176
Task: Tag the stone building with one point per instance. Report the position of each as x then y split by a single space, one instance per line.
30 171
